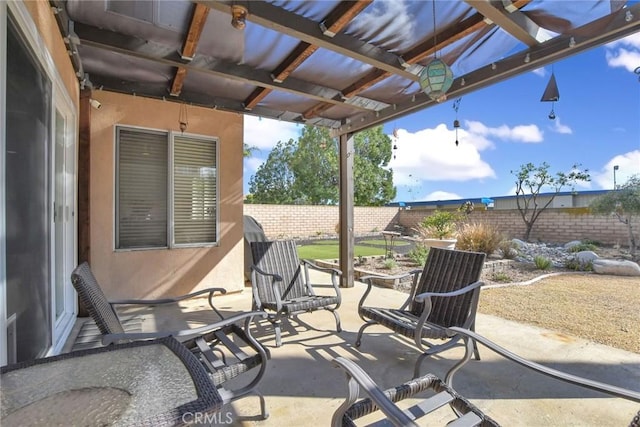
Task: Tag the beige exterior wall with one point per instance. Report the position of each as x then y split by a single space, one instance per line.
164 272
45 22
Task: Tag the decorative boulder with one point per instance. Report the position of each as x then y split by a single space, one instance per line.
616 268
586 256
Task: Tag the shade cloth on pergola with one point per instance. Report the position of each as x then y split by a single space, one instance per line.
346 65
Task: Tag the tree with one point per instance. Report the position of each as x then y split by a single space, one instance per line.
373 182
273 182
315 167
306 171
624 203
247 150
531 179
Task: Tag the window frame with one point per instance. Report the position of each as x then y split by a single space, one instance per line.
170 244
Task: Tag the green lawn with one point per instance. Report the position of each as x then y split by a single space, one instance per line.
329 250
381 242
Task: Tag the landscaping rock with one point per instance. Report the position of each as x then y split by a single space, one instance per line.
616 268
586 256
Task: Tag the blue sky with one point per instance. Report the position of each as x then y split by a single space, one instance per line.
504 126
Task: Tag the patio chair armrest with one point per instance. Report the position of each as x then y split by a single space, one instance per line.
258 270
469 337
368 280
324 269
423 296
210 291
357 377
135 336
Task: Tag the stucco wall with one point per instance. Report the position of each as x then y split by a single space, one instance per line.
554 225
157 272
45 22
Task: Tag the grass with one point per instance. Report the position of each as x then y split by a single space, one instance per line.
329 250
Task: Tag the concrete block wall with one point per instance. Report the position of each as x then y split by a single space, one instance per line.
304 221
553 225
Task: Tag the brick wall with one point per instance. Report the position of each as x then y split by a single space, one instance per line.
301 221
553 225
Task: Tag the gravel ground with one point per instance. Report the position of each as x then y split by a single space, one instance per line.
600 308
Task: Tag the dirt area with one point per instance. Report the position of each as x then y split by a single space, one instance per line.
600 308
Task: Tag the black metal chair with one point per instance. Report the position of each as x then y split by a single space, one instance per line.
226 349
439 393
281 284
444 294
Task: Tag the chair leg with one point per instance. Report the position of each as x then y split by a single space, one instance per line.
276 328
338 325
416 367
362 328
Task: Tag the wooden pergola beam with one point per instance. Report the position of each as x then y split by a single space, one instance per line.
417 53
198 21
336 20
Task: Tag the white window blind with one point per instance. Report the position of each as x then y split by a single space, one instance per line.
141 208
194 190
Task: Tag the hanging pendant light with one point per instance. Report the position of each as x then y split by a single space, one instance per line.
551 94
436 78
183 120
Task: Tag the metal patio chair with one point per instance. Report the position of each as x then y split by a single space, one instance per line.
226 349
439 393
443 294
281 284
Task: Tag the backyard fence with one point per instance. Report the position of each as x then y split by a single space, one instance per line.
554 225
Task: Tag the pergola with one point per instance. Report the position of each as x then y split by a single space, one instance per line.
345 65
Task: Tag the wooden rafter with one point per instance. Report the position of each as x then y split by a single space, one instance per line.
417 53
198 20
335 21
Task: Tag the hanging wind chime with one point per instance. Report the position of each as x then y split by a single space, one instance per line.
456 122
551 94
395 141
182 117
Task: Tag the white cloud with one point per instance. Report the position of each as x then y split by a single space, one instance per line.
560 128
441 195
540 72
624 53
265 133
431 155
628 165
520 133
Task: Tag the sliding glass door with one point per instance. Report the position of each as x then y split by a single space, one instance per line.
39 192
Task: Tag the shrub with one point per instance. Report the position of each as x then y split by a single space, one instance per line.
478 237
390 263
418 255
542 263
509 249
576 265
583 247
439 225
501 277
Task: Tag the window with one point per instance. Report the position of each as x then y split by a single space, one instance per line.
166 189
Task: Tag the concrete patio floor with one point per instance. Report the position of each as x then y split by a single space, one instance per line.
302 387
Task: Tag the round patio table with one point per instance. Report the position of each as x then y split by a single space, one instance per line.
157 383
